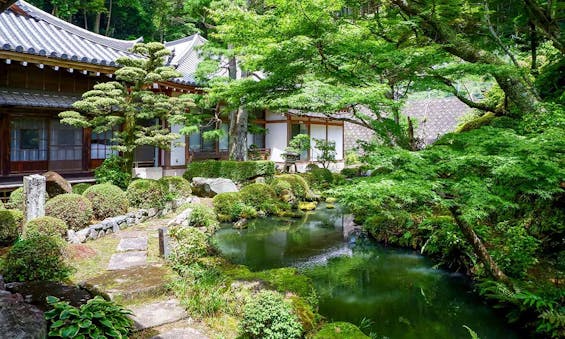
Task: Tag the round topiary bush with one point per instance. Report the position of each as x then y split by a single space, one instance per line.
257 195
146 193
46 226
10 225
178 187
80 188
268 315
107 200
230 206
298 186
39 257
16 200
75 210
320 178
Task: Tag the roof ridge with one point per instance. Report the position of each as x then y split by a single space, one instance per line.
38 14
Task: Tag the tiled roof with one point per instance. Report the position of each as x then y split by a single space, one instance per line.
186 57
27 29
28 98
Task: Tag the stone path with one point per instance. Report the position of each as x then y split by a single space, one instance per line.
130 277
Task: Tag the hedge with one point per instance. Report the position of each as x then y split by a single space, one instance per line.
234 170
10 226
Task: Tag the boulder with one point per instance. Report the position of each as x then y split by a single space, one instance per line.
182 218
210 187
19 319
240 224
307 206
56 184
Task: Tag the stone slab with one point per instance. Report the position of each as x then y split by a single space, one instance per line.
181 333
122 261
132 234
157 314
132 244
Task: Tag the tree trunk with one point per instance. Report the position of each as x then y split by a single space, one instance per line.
480 249
238 134
107 33
84 16
517 92
96 28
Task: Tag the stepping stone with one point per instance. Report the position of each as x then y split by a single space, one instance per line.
157 314
181 333
132 283
132 234
132 244
121 261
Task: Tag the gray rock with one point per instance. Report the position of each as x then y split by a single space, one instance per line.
108 224
260 180
152 212
72 238
181 218
130 221
20 320
132 244
157 314
121 261
93 234
120 219
82 234
209 187
181 333
97 227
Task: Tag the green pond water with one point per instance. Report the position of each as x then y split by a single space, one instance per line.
395 293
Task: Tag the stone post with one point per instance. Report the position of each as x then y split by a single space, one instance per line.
34 196
164 247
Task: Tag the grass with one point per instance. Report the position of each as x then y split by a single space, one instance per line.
91 267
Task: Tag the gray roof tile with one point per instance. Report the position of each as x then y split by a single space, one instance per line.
29 98
40 33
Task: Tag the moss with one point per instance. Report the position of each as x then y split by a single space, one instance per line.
234 170
331 200
330 206
74 209
341 330
479 122
107 200
46 226
320 178
177 187
262 197
2 205
10 226
16 200
80 188
305 313
307 206
146 193
298 186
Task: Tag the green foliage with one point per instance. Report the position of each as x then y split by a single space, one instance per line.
190 244
351 157
203 216
98 318
327 152
298 144
16 200
340 329
146 193
38 257
230 206
291 184
268 315
234 170
75 210
113 170
476 123
351 172
320 178
107 200
80 188
261 197
178 187
10 225
49 226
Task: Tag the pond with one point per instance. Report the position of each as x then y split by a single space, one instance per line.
394 293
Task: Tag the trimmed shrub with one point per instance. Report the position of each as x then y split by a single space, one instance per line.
146 193
112 171
257 195
341 330
10 225
189 245
311 167
178 187
16 200
298 186
107 200
234 170
203 216
320 178
80 188
98 318
230 206
268 315
45 226
73 209
351 172
39 257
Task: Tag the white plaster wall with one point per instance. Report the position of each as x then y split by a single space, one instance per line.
335 133
177 148
316 132
276 140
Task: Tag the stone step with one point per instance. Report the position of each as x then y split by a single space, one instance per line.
132 244
122 261
181 333
130 284
132 234
157 314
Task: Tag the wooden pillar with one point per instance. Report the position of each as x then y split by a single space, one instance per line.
5 144
86 148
